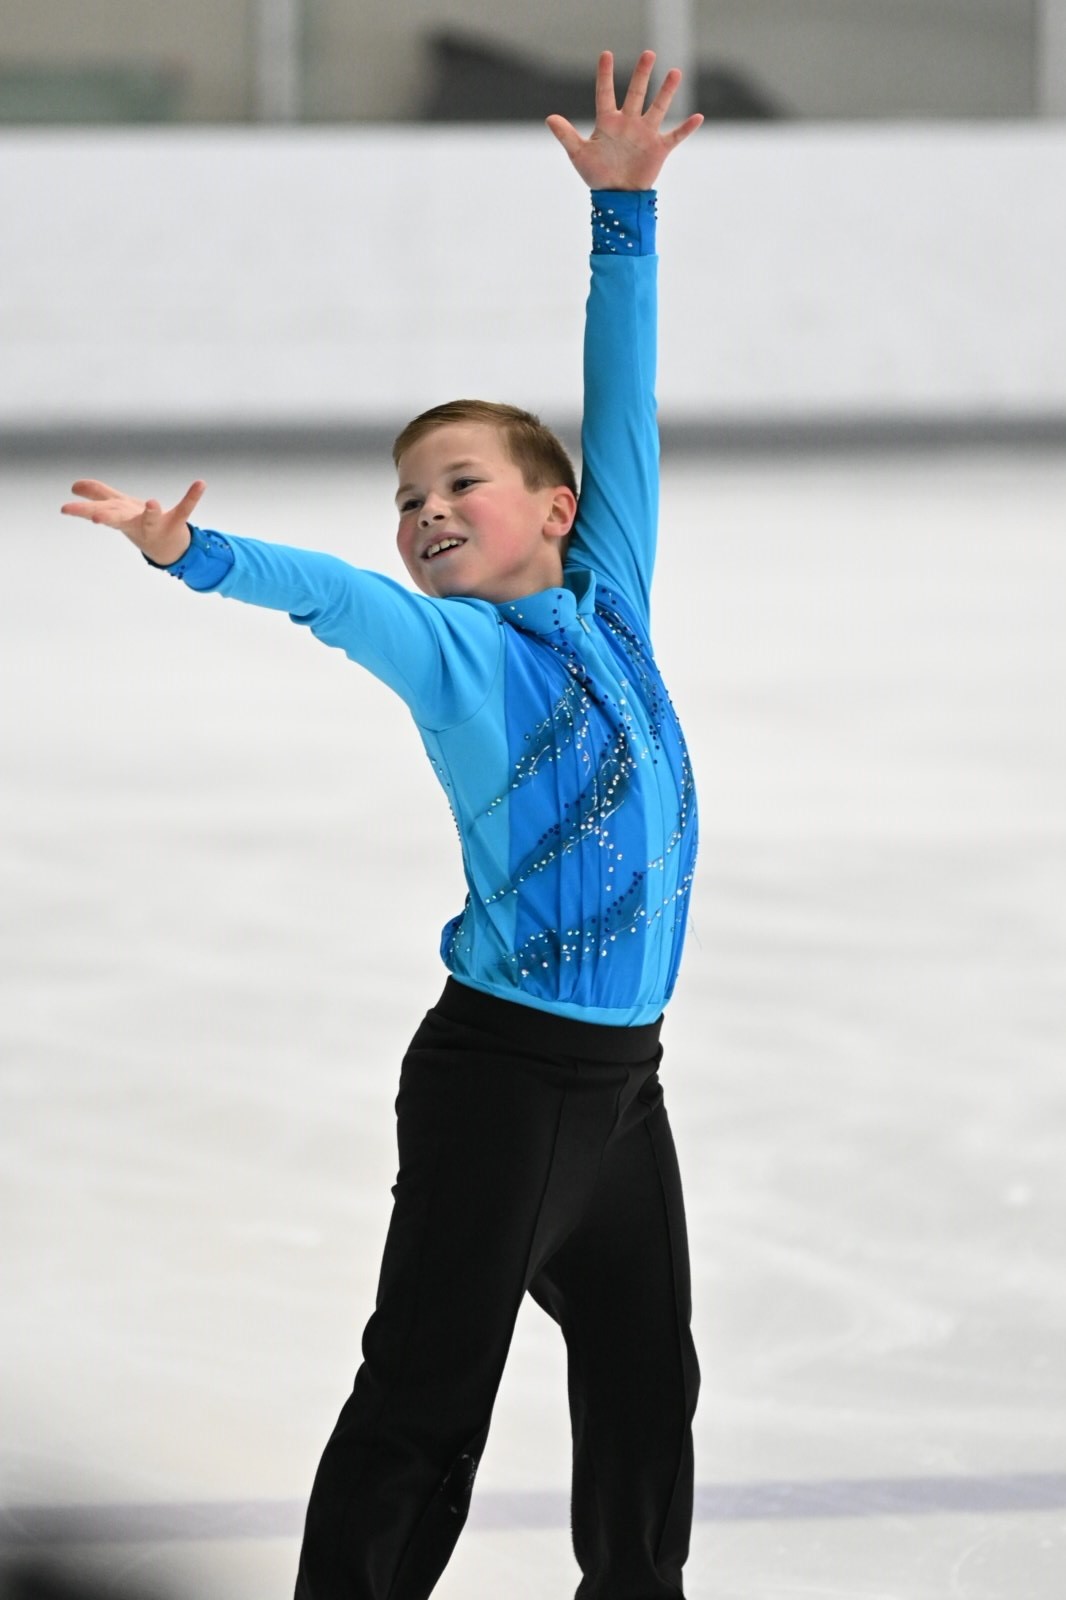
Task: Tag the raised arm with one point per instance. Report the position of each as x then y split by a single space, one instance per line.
615 532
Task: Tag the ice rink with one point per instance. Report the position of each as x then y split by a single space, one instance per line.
225 867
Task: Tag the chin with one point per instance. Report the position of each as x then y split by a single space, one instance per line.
446 587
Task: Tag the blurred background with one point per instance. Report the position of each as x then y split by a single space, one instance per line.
248 239
312 215
121 61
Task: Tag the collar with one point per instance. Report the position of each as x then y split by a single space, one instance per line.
551 609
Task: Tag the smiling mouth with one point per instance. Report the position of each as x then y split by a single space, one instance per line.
441 548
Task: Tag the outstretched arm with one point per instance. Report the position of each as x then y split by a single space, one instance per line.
615 531
439 657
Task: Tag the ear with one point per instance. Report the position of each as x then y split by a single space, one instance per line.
561 516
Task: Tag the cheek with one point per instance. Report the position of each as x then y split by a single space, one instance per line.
484 512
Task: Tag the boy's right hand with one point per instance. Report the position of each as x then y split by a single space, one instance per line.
161 535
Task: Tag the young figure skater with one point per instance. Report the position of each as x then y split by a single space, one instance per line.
535 1152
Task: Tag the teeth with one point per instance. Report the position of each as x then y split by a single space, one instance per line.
445 544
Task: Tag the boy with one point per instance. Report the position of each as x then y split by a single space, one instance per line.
535 1151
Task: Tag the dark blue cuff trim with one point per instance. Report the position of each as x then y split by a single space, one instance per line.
623 222
205 563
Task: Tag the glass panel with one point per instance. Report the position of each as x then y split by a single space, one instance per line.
467 60
126 61
876 58
501 60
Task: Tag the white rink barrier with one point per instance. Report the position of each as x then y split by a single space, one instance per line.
334 277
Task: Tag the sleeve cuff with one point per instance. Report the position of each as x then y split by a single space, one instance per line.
205 563
623 222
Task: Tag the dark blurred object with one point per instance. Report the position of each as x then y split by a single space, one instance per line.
474 80
44 1581
45 1575
82 94
40 1580
51 1554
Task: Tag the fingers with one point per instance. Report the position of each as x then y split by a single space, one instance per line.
92 489
193 496
661 104
605 85
78 508
672 140
638 84
566 134
100 503
112 513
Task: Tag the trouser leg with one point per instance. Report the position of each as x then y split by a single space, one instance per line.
620 1290
497 1158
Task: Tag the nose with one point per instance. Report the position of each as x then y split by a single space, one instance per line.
432 511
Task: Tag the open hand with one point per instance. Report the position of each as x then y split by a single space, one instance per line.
626 149
161 535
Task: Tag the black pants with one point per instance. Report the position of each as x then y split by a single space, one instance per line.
535 1154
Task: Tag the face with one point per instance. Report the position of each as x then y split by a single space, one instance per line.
468 524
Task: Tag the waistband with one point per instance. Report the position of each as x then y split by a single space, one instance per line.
547 1032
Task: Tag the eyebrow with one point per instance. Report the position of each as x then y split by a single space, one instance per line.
452 467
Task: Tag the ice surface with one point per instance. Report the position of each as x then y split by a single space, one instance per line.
225 867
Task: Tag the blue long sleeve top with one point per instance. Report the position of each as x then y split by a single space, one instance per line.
545 719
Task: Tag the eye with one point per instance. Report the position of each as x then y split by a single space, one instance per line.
461 483
408 505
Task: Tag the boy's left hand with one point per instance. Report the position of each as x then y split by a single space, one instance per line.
626 149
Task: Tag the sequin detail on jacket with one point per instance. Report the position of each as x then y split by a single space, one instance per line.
591 901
